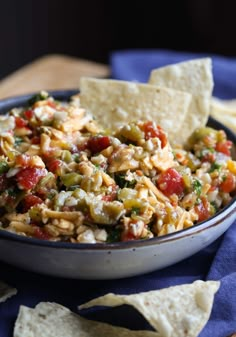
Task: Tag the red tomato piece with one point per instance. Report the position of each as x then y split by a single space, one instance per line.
41 234
127 236
29 113
202 210
20 122
35 140
29 177
112 195
82 147
97 144
107 197
30 200
209 157
224 147
171 182
22 160
54 165
229 183
51 104
152 131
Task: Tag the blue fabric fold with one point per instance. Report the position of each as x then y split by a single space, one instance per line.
216 262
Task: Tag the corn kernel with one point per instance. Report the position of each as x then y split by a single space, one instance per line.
231 165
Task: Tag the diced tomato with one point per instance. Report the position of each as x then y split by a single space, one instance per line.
228 184
202 209
209 157
51 104
82 147
20 122
127 236
152 131
68 208
97 144
29 177
10 201
29 201
224 147
35 140
107 197
41 234
112 195
29 113
171 182
22 160
212 188
54 165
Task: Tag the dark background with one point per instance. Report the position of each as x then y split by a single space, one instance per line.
93 29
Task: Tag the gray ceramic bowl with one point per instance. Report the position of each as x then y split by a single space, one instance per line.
109 261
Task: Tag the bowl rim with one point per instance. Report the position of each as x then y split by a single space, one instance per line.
65 94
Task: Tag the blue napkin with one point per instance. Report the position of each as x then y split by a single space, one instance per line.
216 262
137 65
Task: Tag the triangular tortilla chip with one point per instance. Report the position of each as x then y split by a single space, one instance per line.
224 111
54 320
115 103
195 77
6 291
180 311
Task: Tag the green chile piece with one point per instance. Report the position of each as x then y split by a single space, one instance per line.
71 179
107 213
132 132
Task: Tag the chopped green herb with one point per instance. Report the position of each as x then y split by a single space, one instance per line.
214 207
14 196
224 177
114 235
121 180
75 157
211 149
197 186
13 192
18 140
38 97
135 210
214 167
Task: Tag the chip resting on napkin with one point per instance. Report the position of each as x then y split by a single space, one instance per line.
54 320
173 312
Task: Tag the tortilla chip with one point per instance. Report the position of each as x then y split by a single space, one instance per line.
229 104
114 103
195 77
224 111
54 320
173 312
6 291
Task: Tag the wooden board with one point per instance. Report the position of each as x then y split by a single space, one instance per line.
49 73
